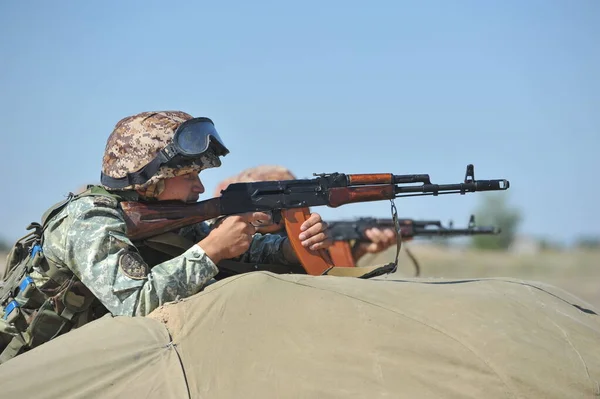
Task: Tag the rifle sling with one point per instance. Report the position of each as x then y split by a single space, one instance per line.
414 261
360 271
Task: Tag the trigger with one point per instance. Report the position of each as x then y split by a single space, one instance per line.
264 223
276 217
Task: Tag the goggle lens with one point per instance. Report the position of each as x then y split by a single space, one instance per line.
193 137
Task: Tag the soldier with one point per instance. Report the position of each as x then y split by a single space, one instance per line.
87 266
381 239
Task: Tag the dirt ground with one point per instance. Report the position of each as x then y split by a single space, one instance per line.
577 272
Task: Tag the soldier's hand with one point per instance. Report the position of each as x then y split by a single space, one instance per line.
380 241
314 234
232 236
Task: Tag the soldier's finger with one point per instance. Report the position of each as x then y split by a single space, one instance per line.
375 235
369 233
314 239
321 245
390 233
313 219
315 229
249 229
390 236
256 218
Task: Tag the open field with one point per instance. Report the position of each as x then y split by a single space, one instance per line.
577 272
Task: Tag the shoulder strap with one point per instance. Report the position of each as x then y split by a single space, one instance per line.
54 209
99 190
61 275
91 190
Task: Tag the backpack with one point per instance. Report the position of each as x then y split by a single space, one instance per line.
38 300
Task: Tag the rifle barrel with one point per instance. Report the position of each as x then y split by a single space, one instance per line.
456 232
478 185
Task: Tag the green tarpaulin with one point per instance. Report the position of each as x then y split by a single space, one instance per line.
261 335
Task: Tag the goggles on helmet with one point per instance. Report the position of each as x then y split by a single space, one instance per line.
191 139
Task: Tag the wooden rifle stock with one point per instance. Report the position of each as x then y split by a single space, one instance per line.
151 219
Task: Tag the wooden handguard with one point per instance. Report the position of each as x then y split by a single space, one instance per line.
314 262
375 178
344 195
341 254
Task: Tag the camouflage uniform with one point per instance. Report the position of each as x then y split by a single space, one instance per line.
89 235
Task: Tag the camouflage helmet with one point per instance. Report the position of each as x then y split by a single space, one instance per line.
257 173
137 139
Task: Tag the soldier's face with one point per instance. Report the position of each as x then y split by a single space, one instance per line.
185 188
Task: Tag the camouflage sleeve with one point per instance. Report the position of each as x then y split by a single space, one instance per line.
89 238
265 248
196 232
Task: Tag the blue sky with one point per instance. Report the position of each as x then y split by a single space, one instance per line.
337 86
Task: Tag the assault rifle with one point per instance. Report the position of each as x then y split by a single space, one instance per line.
290 199
348 230
342 232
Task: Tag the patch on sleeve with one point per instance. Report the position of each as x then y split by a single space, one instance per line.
133 266
102 200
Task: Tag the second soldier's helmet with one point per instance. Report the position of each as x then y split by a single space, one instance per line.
257 173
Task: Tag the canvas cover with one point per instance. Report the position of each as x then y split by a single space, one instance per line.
262 335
